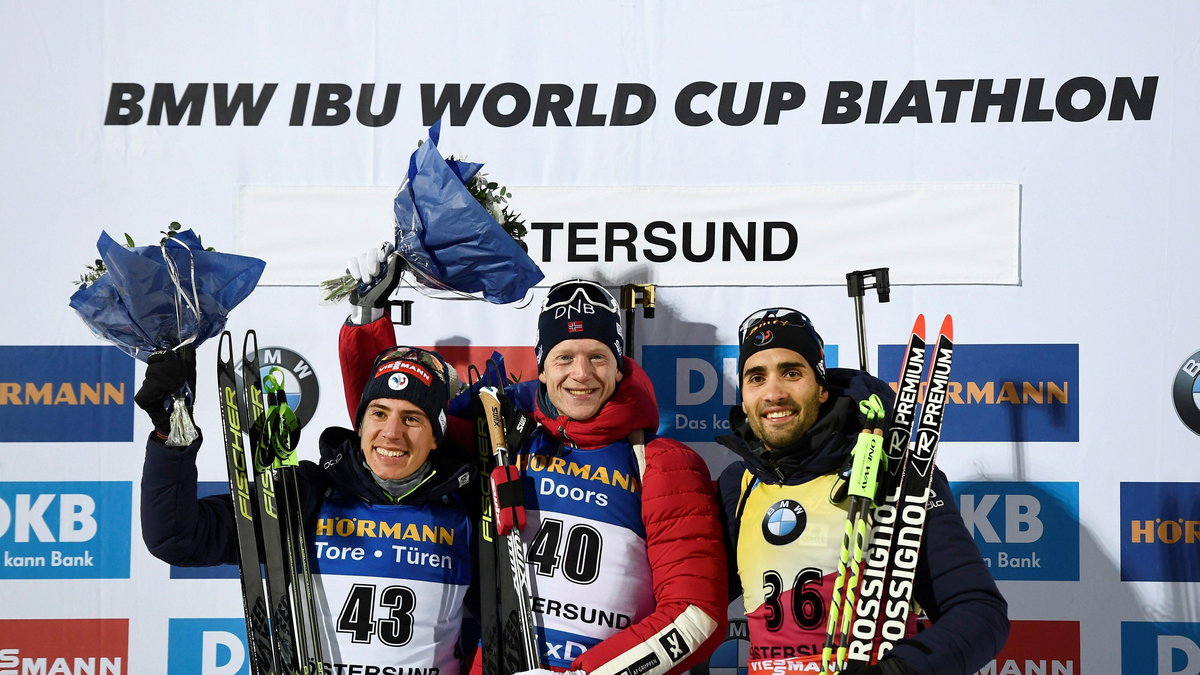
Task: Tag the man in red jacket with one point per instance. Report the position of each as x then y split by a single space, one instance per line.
626 561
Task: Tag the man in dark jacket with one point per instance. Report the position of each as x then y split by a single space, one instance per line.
387 528
794 432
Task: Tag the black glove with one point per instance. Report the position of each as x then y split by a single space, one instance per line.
167 373
889 666
518 425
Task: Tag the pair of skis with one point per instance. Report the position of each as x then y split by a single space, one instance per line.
875 607
509 637
279 605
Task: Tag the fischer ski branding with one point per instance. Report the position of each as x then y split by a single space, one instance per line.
517 630
277 588
254 598
269 503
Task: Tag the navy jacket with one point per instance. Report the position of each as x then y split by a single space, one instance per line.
182 530
969 616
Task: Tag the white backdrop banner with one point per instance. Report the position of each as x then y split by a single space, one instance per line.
1042 191
788 235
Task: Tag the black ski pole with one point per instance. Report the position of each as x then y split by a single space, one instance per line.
856 286
633 295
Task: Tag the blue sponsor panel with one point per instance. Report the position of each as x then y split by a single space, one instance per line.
65 394
204 489
1163 648
1005 392
695 385
207 647
1160 531
1026 531
65 530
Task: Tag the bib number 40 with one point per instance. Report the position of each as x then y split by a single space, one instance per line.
578 553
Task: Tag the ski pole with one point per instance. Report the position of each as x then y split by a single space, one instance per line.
856 286
864 483
527 630
633 295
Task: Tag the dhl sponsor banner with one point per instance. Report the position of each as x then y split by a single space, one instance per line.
64 393
214 646
800 235
696 385
1160 648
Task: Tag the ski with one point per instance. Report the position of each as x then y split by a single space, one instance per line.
269 494
918 482
861 490
254 598
283 429
871 595
509 634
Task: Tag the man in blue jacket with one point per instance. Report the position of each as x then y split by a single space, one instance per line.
389 491
794 432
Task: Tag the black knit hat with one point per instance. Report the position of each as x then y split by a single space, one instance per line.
578 309
781 327
410 374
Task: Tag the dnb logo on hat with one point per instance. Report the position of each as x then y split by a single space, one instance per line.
1186 392
291 371
784 522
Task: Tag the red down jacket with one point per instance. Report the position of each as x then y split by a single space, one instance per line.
683 532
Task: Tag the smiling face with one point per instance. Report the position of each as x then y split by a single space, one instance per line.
580 376
780 396
396 438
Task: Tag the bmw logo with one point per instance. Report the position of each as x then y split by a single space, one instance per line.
290 370
784 522
731 656
1186 392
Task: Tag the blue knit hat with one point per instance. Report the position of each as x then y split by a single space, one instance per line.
785 328
410 374
578 309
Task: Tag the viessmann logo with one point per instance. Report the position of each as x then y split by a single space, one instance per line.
64 646
1019 392
1045 647
65 394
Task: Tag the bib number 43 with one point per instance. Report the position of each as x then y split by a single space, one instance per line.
393 627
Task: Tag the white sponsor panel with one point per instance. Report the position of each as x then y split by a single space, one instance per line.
794 235
1043 194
